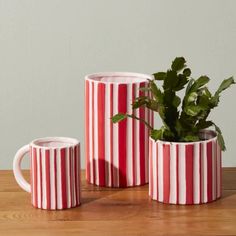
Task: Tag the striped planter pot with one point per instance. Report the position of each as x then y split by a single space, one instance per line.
54 172
185 173
116 154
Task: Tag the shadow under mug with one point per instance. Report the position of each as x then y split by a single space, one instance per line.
54 172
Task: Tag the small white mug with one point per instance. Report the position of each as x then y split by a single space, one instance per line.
54 172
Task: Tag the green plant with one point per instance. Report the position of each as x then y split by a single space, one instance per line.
182 118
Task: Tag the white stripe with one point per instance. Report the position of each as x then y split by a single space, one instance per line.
182 175
204 154
115 139
173 163
78 173
32 174
160 172
68 188
59 190
52 180
154 169
73 177
38 178
96 132
213 171
146 138
91 155
150 156
129 144
107 135
196 173
44 195
137 146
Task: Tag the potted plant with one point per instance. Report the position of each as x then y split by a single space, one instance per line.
184 157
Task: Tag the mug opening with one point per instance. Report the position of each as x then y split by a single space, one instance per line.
54 142
118 77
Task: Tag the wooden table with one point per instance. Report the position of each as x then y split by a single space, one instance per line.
107 211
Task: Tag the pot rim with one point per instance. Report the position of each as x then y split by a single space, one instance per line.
204 132
142 77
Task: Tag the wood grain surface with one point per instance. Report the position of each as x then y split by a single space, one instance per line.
106 211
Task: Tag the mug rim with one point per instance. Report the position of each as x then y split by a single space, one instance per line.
142 77
209 132
69 142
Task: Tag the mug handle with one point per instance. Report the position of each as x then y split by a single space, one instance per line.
17 168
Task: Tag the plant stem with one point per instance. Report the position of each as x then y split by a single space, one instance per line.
140 119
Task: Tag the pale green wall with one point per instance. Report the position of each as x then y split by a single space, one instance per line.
47 46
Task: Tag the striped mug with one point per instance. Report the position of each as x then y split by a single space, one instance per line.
116 154
54 172
186 172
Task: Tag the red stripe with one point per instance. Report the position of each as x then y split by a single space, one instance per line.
40 171
177 174
220 171
142 139
55 175
122 128
75 171
31 176
209 171
71 178
215 159
134 139
151 168
35 189
63 178
166 172
47 175
157 178
93 133
87 97
189 173
111 134
101 133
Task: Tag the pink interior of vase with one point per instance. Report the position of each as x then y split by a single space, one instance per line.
55 142
117 77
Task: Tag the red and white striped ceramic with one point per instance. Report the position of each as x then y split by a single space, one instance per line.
55 172
116 154
185 173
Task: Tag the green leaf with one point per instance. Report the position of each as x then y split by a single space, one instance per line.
159 75
199 83
192 97
220 138
171 80
145 89
153 105
156 134
156 92
191 138
178 64
190 83
182 81
138 104
192 110
176 101
187 72
118 117
225 84
204 124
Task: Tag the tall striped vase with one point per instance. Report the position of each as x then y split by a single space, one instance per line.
185 173
116 154
54 172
